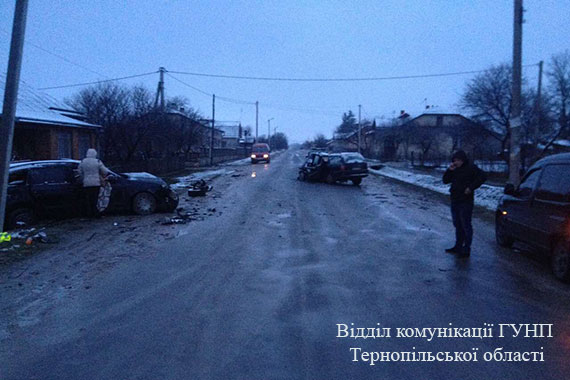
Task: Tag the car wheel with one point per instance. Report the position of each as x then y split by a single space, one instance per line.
253 161
501 236
144 204
356 181
302 176
330 179
21 217
561 261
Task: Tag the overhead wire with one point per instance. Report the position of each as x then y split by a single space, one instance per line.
99 81
363 79
28 42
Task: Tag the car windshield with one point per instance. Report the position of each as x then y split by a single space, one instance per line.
352 157
260 149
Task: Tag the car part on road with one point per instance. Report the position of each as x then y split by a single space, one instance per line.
560 261
144 203
199 188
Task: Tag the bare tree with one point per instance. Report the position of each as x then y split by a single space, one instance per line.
487 98
559 88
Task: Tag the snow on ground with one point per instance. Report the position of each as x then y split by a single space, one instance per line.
486 196
206 175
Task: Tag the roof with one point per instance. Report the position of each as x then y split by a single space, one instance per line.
34 107
230 131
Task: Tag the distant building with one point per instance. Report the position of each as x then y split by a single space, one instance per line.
45 129
231 134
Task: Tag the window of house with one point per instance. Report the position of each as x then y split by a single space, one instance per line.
84 144
554 184
64 145
528 184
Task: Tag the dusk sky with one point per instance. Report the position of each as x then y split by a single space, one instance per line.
71 42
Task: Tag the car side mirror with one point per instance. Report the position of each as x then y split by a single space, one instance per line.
509 189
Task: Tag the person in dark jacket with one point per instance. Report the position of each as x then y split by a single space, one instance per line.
464 178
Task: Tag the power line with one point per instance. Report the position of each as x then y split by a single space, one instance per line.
99 81
223 98
58 56
282 79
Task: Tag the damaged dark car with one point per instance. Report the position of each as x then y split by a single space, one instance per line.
334 167
52 190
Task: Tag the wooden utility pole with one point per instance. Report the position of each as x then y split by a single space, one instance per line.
10 101
256 119
359 129
212 135
515 120
160 90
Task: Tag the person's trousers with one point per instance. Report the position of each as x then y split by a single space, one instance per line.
90 195
461 214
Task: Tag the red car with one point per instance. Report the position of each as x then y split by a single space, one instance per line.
260 152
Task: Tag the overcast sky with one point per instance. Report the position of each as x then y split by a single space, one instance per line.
69 42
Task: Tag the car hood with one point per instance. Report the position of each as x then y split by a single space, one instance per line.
144 177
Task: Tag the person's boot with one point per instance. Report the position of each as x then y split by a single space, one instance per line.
454 249
465 252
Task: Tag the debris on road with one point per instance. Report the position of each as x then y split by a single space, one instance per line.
199 188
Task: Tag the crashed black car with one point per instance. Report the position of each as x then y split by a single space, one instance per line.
334 167
537 212
52 189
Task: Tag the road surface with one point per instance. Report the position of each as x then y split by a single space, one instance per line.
259 292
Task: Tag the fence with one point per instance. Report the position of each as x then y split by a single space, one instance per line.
164 165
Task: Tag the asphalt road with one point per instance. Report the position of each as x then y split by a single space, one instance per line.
257 293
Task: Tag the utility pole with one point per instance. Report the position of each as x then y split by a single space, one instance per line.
160 90
10 100
256 119
359 138
539 94
212 134
515 121
269 131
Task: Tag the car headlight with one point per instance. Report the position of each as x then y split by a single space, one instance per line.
265 156
253 156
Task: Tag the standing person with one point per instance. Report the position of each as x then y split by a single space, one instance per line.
91 170
464 177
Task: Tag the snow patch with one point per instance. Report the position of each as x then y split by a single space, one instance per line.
486 196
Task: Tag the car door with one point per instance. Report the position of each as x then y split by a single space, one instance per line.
518 205
551 205
54 190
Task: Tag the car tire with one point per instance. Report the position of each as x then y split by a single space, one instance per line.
144 204
560 261
330 179
356 181
302 176
501 236
253 161
22 215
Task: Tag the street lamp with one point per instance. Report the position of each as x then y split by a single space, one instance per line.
269 129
